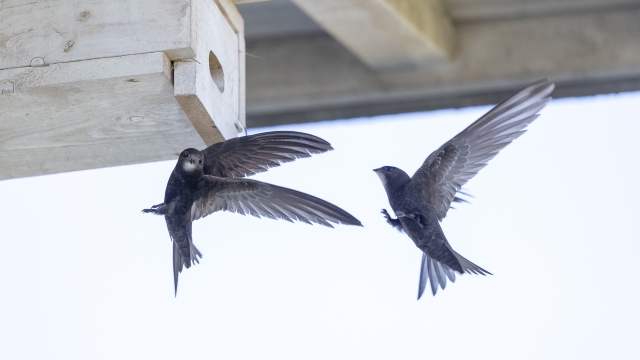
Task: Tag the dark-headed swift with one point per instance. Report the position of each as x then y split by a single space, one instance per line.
420 202
213 179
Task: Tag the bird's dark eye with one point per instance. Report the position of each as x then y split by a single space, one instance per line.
387 168
185 154
200 161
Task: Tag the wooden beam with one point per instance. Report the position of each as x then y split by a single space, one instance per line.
247 1
91 114
491 10
315 78
387 34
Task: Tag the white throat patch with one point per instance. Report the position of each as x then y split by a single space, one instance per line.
382 178
188 166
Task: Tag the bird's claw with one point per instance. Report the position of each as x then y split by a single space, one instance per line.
400 214
395 223
419 218
155 209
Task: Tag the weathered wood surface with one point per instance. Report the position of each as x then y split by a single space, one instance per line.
105 95
63 30
213 105
91 114
314 78
387 34
464 11
230 11
247 1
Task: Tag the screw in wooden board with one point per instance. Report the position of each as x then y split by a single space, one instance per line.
37 61
6 87
239 126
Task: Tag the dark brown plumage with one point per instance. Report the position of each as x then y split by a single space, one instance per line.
422 201
211 180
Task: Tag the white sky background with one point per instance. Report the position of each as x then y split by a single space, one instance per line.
555 218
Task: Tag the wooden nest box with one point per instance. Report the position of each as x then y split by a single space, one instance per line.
93 83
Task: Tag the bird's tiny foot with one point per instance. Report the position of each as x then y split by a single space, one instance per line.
417 217
155 209
391 221
410 216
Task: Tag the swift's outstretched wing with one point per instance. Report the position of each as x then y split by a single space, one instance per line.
249 155
447 169
246 196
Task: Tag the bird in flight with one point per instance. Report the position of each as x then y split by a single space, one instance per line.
213 179
421 202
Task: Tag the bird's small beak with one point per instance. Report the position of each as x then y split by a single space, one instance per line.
376 170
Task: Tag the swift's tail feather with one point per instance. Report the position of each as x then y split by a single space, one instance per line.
437 273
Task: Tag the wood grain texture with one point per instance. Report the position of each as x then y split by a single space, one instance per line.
242 81
237 22
387 34
105 94
63 30
247 1
211 109
463 11
231 13
113 111
315 78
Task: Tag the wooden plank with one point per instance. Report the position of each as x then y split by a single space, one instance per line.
277 18
208 88
64 30
231 13
234 18
107 97
491 10
242 77
91 114
247 1
315 78
97 69
387 34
